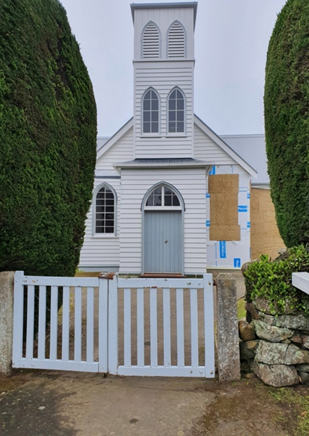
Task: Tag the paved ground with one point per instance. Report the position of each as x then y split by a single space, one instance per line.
67 404
75 404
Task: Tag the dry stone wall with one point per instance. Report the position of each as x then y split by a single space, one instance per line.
275 347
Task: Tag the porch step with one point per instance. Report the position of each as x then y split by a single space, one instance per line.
162 276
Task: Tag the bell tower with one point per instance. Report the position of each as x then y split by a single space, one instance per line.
163 79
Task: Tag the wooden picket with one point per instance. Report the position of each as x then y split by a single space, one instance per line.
84 335
36 288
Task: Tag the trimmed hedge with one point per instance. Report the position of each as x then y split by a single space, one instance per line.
47 139
272 280
286 104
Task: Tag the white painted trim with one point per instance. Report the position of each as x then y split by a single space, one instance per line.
151 134
94 211
184 133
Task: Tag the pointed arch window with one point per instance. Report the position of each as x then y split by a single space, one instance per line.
176 46
163 197
105 211
150 112
151 41
176 112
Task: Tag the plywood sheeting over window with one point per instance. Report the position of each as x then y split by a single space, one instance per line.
265 237
223 190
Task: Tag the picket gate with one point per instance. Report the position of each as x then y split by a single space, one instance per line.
124 326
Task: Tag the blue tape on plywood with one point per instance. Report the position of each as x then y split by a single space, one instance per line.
237 262
213 170
248 196
208 223
207 195
242 208
222 249
248 225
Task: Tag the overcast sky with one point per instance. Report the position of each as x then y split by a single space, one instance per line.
231 40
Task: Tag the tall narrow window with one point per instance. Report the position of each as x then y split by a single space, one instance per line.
105 211
176 47
176 112
150 112
151 41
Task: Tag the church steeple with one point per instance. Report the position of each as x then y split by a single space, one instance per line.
163 79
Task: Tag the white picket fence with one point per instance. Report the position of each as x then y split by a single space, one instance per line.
125 326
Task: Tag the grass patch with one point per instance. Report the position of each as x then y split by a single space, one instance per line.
241 311
295 403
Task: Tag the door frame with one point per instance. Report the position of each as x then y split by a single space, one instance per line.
182 210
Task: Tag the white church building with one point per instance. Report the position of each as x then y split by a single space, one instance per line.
170 196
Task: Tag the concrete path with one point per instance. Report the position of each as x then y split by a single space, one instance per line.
75 404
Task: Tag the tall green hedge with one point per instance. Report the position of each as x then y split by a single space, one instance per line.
286 103
47 139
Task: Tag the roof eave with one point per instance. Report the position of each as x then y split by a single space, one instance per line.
125 165
135 6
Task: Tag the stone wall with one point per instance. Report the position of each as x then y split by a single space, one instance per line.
275 347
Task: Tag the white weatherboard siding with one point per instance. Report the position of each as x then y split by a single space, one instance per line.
121 151
101 251
206 149
191 183
163 18
164 76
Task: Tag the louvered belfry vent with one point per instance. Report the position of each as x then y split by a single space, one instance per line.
176 41
151 41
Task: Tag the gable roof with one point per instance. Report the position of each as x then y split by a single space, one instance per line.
116 136
206 129
253 149
225 147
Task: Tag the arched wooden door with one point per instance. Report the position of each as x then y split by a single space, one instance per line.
163 231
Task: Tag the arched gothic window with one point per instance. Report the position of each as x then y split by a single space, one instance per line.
105 210
162 196
176 112
176 46
151 41
150 112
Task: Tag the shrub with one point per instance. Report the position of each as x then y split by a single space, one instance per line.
47 139
286 108
272 280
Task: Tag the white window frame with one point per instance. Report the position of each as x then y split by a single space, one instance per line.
163 207
176 88
151 134
94 212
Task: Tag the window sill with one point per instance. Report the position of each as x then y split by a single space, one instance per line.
176 135
104 236
151 135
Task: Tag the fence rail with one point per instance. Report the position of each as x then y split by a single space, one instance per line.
123 326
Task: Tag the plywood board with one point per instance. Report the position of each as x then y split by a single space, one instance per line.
222 183
265 237
223 189
224 233
223 209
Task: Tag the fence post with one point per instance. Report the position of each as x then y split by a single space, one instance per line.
103 324
6 320
228 339
209 326
113 326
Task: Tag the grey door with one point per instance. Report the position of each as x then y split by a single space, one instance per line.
163 242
